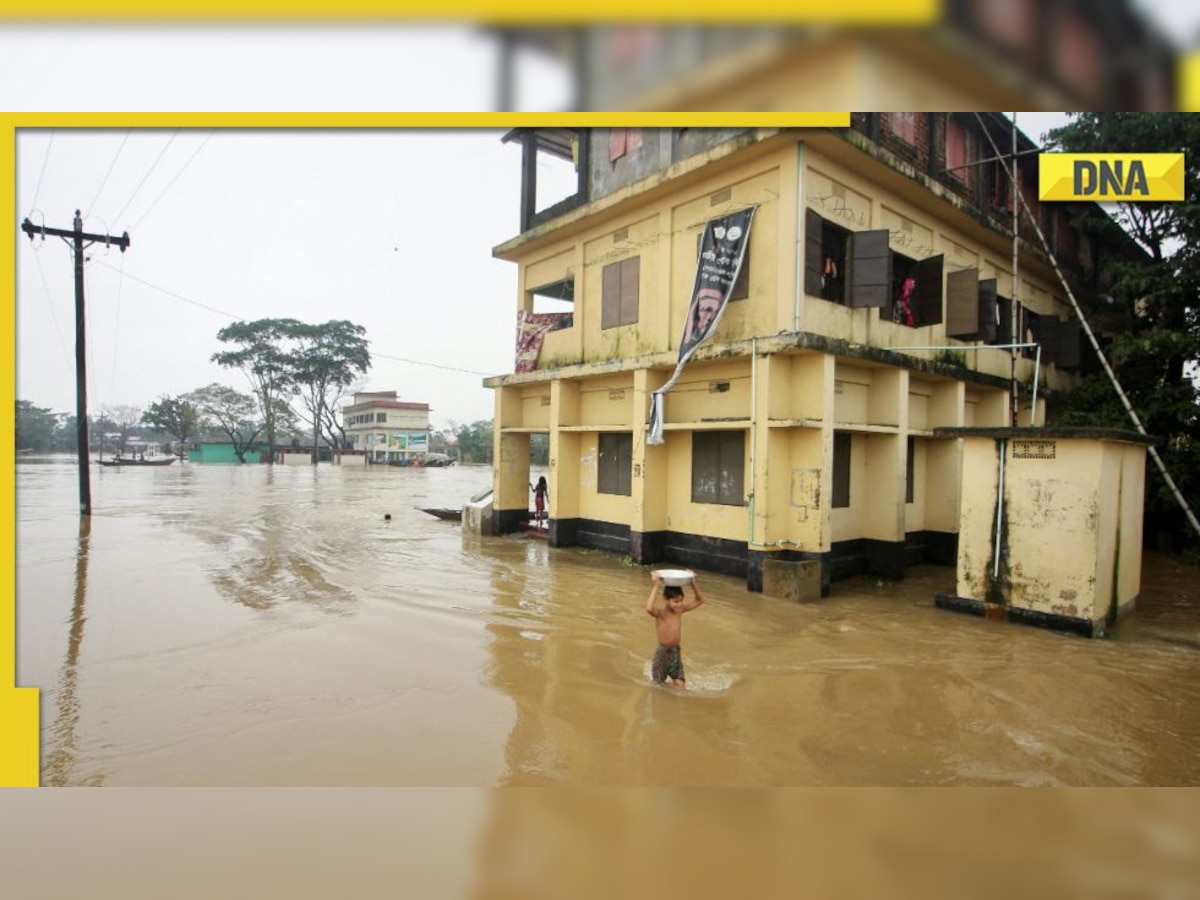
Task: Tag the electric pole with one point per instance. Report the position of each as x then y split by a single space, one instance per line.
78 239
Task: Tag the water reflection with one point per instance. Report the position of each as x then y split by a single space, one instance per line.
59 755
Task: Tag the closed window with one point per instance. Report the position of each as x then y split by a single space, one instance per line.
718 467
619 292
615 464
841 469
380 417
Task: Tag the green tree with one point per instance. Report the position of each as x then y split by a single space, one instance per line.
261 351
177 416
234 414
475 442
35 427
1151 307
327 360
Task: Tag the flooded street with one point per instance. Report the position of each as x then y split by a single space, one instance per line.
254 625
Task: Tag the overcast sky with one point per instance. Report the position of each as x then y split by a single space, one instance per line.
392 230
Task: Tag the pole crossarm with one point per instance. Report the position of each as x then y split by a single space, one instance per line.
30 229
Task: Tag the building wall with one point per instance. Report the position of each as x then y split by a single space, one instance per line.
1083 489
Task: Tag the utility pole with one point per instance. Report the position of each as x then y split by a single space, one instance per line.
78 239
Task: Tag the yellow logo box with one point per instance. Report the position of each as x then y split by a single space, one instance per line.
1103 177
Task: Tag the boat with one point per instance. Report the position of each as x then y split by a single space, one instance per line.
137 463
449 515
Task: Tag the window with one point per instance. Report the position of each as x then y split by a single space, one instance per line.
1003 322
718 467
827 247
909 478
1028 323
381 417
859 269
616 463
841 469
960 150
904 126
916 291
619 293
971 308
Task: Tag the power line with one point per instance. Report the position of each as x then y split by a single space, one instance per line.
45 159
111 166
415 362
149 171
163 193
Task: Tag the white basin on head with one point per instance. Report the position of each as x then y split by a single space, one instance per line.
676 577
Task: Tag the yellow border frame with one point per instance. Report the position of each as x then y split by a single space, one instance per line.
19 708
495 12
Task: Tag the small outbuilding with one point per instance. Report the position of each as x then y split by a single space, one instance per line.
1050 525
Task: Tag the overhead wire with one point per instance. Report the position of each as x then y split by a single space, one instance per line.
45 159
197 303
149 171
162 194
111 166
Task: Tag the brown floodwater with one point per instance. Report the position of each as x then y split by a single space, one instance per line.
254 625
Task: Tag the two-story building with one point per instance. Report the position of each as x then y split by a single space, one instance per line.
388 430
880 299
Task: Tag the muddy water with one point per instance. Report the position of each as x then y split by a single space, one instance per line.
247 625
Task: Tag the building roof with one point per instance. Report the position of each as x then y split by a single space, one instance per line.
387 404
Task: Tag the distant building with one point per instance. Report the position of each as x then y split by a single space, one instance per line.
386 429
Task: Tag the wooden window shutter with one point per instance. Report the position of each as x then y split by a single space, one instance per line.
631 271
610 312
870 269
1070 345
989 311
812 253
962 304
929 290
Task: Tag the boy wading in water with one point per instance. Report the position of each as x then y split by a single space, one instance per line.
668 622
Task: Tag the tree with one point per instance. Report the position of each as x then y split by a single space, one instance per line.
475 442
123 420
231 412
35 427
177 416
1154 350
262 355
327 359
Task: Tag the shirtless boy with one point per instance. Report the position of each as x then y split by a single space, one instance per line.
668 622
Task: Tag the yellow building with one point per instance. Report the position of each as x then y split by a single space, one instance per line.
878 303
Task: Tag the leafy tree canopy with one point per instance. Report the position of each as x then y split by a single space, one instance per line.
1154 351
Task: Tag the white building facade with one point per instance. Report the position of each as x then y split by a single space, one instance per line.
388 430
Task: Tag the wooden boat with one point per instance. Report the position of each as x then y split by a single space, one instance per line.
449 515
137 463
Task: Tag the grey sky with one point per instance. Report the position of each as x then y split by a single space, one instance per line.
392 230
